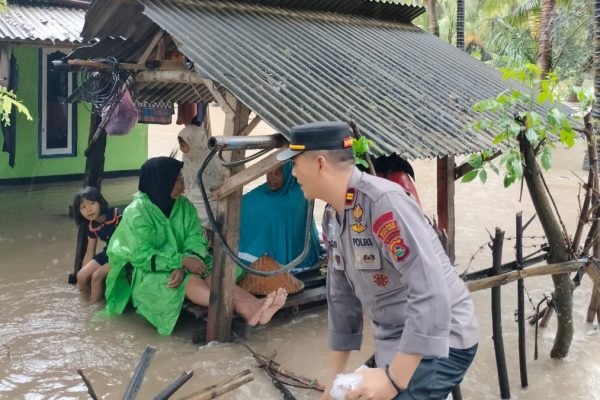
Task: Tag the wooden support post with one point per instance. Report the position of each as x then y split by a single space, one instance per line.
497 318
94 168
445 202
220 311
521 303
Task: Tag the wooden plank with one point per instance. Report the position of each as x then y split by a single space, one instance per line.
445 202
210 84
150 47
248 130
220 312
183 76
247 175
307 296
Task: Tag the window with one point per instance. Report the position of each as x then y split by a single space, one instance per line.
57 117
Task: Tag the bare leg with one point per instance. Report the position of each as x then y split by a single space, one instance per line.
97 285
84 276
197 291
247 306
278 301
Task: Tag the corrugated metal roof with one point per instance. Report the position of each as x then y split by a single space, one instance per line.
408 91
41 24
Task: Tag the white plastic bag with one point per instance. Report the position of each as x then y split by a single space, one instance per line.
345 383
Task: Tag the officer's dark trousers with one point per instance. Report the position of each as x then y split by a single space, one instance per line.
435 377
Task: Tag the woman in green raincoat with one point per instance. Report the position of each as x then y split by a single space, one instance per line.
161 238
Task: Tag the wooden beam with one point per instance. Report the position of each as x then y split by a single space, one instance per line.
247 175
220 311
161 65
151 47
548 269
183 76
248 130
445 203
212 87
594 273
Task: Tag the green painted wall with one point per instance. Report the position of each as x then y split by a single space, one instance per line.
122 152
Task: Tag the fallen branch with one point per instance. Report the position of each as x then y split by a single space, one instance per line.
218 389
88 384
174 386
549 269
276 372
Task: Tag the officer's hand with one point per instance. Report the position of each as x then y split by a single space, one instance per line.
375 386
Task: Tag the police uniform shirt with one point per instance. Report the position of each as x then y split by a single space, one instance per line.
386 260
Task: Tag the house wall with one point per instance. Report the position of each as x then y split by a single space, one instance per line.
123 153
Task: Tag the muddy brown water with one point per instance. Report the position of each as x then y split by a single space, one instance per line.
47 331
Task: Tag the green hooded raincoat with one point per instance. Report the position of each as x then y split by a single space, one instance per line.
154 246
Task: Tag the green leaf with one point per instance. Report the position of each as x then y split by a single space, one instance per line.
482 175
494 168
475 160
508 180
517 167
532 136
546 158
469 176
499 138
567 136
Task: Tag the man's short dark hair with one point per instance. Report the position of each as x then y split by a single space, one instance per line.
340 156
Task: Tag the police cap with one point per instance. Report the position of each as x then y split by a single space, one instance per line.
325 135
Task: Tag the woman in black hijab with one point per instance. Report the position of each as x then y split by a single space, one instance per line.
161 237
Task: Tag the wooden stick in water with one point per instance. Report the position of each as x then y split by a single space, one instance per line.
174 386
268 362
138 374
218 389
88 384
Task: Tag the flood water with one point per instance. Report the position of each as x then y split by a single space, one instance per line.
47 331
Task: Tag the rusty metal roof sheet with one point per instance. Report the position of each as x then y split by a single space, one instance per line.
41 24
408 91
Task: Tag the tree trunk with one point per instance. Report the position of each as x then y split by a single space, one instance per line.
433 20
594 306
563 287
460 24
544 55
596 106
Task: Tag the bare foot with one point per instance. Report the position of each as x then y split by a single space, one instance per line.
278 302
266 303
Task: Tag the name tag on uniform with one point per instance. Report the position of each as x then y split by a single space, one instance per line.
366 258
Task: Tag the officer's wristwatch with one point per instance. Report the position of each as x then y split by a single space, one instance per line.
389 376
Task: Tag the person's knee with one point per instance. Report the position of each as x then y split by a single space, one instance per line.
99 276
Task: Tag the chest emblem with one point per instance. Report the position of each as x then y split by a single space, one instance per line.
357 214
381 280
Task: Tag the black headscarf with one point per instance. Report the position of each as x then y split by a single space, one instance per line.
157 178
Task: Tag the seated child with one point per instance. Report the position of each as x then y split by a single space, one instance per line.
89 205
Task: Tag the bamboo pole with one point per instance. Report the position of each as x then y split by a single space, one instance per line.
521 303
497 318
548 269
218 389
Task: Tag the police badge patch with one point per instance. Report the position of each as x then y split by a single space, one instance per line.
386 228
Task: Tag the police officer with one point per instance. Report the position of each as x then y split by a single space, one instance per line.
386 261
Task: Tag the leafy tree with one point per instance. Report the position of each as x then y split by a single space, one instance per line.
8 100
526 133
